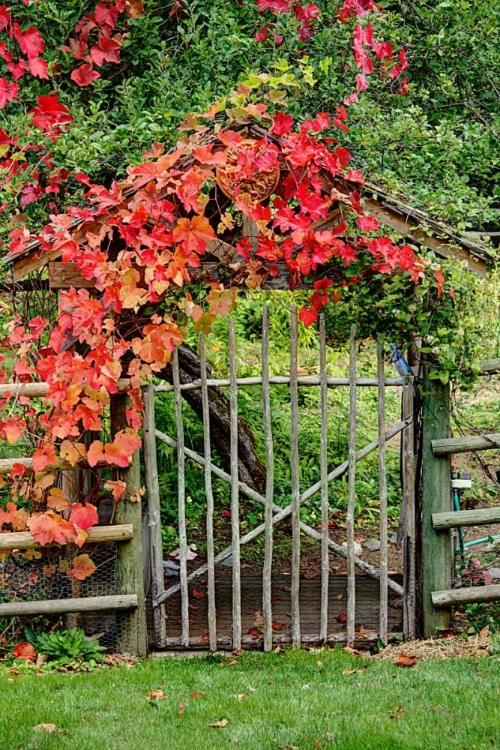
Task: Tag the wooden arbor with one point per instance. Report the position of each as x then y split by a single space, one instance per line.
420 228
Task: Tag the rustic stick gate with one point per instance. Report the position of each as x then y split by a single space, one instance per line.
274 514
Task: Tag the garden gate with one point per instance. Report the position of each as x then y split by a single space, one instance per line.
242 601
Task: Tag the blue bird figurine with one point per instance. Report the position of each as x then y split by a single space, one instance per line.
400 362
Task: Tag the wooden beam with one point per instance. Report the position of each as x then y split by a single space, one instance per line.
66 275
436 557
66 606
24 540
472 595
40 390
479 517
447 446
7 464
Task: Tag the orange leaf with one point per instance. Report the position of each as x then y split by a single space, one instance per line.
47 528
83 567
134 8
194 233
95 453
199 594
219 724
129 440
12 430
24 651
56 499
84 516
72 452
116 487
116 456
42 457
404 660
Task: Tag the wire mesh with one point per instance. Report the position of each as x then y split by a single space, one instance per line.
42 574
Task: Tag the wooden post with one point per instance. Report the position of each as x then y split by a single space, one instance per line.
436 559
132 636
153 516
409 549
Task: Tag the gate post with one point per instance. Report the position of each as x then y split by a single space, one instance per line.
133 636
436 552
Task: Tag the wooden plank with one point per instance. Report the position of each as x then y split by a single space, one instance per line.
351 503
367 609
454 597
155 552
325 535
96 534
66 275
129 559
304 381
436 566
69 606
181 498
406 227
295 478
469 443
269 499
209 495
235 490
382 495
32 262
409 517
285 512
453 519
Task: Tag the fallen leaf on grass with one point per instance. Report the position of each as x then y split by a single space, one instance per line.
342 617
405 660
219 724
45 728
182 708
329 737
279 625
196 695
241 696
156 695
287 588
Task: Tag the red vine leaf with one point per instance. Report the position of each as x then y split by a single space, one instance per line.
84 516
85 75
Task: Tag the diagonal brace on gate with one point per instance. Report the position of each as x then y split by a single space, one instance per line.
281 513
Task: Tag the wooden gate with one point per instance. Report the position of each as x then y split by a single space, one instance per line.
266 633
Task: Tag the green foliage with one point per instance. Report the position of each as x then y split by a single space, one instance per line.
64 646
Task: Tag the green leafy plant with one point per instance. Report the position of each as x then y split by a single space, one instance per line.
66 645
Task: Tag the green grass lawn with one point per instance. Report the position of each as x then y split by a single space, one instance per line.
288 700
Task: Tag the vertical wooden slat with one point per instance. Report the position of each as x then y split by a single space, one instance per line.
325 561
294 458
235 510
409 547
153 515
351 572
384 612
436 498
181 494
268 513
212 623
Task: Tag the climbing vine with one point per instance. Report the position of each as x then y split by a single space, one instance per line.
141 242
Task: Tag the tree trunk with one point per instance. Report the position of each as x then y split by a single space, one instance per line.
251 469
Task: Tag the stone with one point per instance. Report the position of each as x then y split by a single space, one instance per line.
170 568
228 562
358 549
393 539
494 573
372 545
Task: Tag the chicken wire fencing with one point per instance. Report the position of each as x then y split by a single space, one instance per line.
30 578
